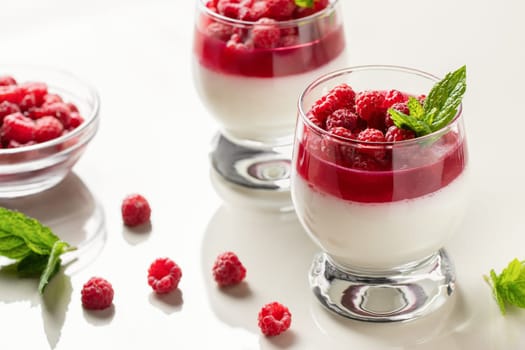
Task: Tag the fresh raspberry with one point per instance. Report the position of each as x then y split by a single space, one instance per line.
228 269
28 101
401 107
97 294
47 128
75 120
265 33
229 8
58 110
342 118
256 11
422 98
392 97
17 127
7 108
369 104
52 98
135 210
236 43
396 134
37 89
281 9
314 120
325 106
372 135
274 318
220 31
341 132
345 96
11 93
72 107
164 275
6 80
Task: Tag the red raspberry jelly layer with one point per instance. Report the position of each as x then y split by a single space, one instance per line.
448 160
215 54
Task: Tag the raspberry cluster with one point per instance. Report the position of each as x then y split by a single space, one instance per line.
265 14
30 114
361 116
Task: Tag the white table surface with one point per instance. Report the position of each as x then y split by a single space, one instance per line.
154 138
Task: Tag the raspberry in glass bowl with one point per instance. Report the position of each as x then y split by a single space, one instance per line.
379 199
48 116
252 58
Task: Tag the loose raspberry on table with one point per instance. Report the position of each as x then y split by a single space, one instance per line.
342 118
394 134
135 210
228 269
97 294
17 127
265 33
47 128
274 318
164 275
369 104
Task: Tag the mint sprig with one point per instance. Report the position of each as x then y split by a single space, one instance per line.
33 246
509 286
440 106
305 3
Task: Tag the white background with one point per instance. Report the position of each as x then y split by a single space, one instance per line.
154 138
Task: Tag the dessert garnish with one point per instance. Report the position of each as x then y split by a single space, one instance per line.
508 287
274 318
228 270
35 249
438 108
97 294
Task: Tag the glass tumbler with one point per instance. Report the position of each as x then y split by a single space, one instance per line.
380 212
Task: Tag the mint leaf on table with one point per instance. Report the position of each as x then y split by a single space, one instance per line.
304 3
509 286
439 108
34 247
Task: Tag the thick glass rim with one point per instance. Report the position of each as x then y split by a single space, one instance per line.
331 75
292 22
90 119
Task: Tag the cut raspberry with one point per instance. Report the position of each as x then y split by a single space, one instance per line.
135 210
342 118
369 104
97 294
401 107
265 33
396 134
228 269
47 128
392 97
274 318
17 127
164 275
6 80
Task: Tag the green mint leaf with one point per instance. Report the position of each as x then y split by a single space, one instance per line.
415 108
37 237
53 264
305 3
13 247
32 265
442 102
509 286
403 121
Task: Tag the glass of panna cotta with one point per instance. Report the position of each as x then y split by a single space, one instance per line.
380 204
250 65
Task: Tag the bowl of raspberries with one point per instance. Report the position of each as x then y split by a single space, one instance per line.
47 118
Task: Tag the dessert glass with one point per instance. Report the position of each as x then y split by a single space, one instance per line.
250 90
381 226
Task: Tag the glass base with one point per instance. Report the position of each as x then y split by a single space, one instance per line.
405 294
255 168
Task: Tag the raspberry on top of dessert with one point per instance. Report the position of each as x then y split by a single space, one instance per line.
267 38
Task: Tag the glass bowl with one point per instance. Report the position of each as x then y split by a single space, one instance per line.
33 168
